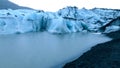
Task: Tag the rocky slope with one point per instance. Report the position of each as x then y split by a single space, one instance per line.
6 4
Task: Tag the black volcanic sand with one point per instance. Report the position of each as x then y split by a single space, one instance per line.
105 55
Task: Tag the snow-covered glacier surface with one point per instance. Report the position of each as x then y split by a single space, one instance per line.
66 20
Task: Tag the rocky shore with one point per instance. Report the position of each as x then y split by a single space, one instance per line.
104 55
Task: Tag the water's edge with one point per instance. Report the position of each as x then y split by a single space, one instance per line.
35 50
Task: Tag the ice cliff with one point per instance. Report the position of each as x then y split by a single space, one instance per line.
66 20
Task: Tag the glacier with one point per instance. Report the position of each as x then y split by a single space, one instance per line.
66 20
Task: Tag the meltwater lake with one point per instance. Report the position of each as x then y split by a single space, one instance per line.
45 50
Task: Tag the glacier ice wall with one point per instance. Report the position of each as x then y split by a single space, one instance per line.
66 20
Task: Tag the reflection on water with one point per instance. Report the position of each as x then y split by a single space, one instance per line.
44 50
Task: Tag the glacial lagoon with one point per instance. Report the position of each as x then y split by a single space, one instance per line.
45 50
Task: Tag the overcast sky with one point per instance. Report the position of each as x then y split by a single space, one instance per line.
54 5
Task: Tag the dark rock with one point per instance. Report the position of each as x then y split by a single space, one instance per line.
105 55
114 35
115 22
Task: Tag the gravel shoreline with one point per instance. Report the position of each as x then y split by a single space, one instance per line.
104 55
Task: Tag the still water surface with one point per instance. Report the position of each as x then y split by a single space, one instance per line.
44 50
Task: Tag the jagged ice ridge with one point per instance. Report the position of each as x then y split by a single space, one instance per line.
66 20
